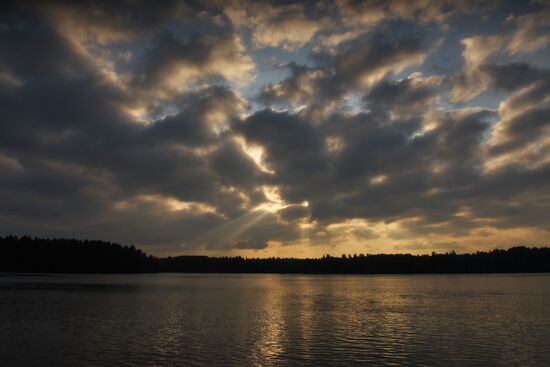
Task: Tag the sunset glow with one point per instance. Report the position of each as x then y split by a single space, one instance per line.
264 128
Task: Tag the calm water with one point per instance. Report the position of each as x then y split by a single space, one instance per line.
280 320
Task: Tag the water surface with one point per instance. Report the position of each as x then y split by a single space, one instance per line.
275 320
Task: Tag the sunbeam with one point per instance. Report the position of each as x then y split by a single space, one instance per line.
229 231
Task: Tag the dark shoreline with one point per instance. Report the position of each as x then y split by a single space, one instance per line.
68 256
57 275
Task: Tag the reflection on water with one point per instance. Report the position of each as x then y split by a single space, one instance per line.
177 319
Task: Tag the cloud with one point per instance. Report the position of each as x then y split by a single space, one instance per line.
366 65
334 183
513 76
190 127
82 165
202 114
523 132
472 80
301 86
250 245
531 31
10 166
294 212
364 234
370 13
359 65
331 42
295 150
172 64
404 98
279 25
438 247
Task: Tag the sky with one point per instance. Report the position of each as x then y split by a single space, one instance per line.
277 128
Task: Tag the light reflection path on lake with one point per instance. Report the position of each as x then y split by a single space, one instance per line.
275 320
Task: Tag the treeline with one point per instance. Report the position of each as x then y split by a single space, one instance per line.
26 254
34 255
515 260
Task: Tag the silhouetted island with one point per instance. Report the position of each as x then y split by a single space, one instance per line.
34 255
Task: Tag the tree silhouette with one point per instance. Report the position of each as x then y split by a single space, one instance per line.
26 254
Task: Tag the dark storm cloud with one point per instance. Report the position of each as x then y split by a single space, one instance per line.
407 98
27 38
298 88
294 212
358 64
525 128
364 234
80 118
295 150
138 123
475 79
171 63
372 12
235 167
190 125
293 144
250 245
371 63
402 92
525 119
77 153
514 75
430 176
408 163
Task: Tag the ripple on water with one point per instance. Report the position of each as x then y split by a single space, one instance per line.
166 319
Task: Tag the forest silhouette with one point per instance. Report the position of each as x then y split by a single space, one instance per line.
34 255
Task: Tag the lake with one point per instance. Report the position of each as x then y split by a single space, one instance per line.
275 320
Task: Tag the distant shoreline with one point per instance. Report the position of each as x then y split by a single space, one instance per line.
67 256
55 275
